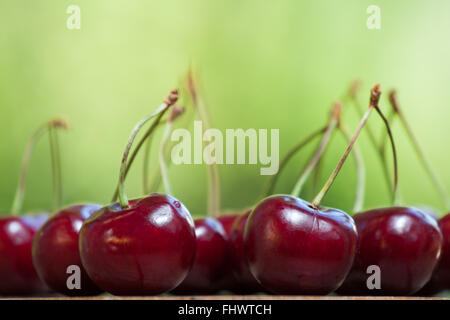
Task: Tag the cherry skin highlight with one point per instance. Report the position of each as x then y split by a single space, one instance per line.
403 241
294 248
55 248
210 265
17 274
145 249
240 267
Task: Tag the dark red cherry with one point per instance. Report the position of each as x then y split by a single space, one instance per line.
229 281
55 248
240 268
17 274
294 248
227 221
211 258
441 275
403 242
145 249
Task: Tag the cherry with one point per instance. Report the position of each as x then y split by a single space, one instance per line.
294 248
297 247
227 220
17 274
145 249
210 264
403 242
441 275
240 268
55 248
229 281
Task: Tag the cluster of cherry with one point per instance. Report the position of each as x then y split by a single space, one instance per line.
281 245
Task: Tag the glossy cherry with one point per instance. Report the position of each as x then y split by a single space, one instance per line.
17 274
145 249
441 276
55 248
404 242
240 268
294 248
211 259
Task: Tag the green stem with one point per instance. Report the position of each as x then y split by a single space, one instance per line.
421 155
372 139
316 175
394 155
125 165
317 156
162 158
146 163
360 172
273 179
319 197
374 99
20 191
213 176
56 168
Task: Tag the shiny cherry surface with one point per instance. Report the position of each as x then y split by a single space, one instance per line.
17 274
211 258
239 261
145 249
441 276
403 242
294 248
55 248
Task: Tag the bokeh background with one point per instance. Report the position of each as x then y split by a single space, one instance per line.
260 64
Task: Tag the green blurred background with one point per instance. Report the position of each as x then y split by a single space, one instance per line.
272 64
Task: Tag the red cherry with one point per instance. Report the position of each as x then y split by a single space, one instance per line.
55 247
441 275
144 249
240 268
293 248
210 265
229 281
17 274
404 242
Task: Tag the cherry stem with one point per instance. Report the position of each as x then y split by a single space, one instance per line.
48 126
146 162
382 146
125 165
162 151
374 99
334 121
394 155
353 97
421 155
56 168
270 186
213 176
139 146
360 171
316 175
